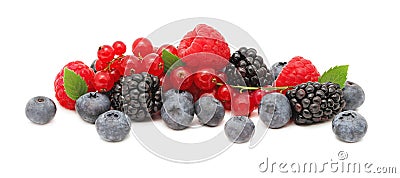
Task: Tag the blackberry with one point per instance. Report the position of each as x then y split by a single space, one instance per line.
140 96
314 102
115 95
246 68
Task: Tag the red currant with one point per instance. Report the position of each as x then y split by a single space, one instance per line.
169 48
241 104
141 47
129 64
224 93
105 53
115 75
103 81
100 65
204 79
194 91
119 48
181 78
153 64
227 105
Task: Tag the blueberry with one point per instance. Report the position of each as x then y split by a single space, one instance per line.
90 105
275 110
40 110
172 92
349 126
177 112
209 110
277 68
354 95
113 126
239 129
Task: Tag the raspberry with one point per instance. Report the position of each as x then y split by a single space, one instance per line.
297 71
82 70
206 40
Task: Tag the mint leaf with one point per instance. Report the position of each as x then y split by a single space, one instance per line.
337 74
170 60
74 84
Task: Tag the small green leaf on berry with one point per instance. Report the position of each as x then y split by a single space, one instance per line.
74 84
170 60
337 74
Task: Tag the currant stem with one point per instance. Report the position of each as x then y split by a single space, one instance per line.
253 88
108 68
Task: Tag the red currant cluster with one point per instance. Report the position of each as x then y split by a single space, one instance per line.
112 64
109 66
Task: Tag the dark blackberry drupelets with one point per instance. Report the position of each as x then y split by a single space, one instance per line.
115 95
314 102
246 68
140 96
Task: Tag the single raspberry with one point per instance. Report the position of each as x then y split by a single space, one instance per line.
82 70
204 39
297 71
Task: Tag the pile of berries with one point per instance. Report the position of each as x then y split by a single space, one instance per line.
200 77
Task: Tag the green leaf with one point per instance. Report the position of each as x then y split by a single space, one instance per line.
170 60
337 74
74 84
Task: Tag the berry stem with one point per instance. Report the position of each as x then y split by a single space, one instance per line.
108 68
253 88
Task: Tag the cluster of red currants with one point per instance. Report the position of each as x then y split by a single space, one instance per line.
112 63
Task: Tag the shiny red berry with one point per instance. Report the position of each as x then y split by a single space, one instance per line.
153 64
204 79
167 47
105 53
119 48
257 95
103 81
241 104
141 47
100 65
181 78
224 93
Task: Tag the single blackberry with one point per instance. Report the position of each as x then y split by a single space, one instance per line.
140 96
314 102
115 96
246 68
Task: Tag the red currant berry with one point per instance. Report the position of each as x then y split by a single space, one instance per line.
169 48
141 47
130 64
118 65
119 48
204 79
100 65
227 105
153 64
103 81
224 93
241 104
181 78
115 76
105 53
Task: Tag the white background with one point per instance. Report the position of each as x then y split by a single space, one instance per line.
38 37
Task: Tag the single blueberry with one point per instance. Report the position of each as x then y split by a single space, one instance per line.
354 96
239 129
113 126
40 110
209 110
177 112
349 126
90 105
275 110
277 68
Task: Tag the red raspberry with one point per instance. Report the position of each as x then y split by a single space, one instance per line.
82 70
204 39
297 71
